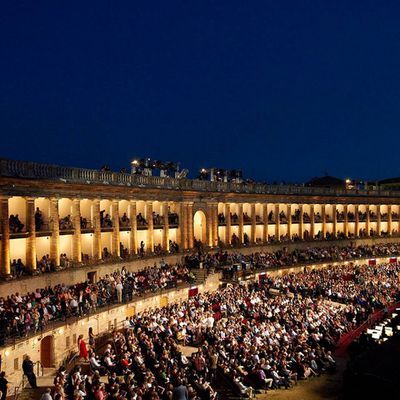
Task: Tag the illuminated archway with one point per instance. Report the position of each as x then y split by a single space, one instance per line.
200 226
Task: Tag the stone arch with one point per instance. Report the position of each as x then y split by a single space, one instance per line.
200 226
47 351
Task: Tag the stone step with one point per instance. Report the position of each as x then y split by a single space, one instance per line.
49 371
31 394
45 381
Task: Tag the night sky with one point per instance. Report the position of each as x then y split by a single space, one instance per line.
285 90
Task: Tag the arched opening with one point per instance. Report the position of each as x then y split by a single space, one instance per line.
200 226
47 351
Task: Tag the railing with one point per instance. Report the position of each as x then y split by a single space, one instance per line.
31 170
19 388
39 368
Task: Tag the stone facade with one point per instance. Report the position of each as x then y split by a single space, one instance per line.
213 213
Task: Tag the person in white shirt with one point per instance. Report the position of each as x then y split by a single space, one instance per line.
46 395
119 287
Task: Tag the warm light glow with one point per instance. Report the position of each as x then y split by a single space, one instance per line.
135 162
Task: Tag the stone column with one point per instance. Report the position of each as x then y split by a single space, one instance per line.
97 250
241 224
301 222
323 216
215 224
76 240
209 225
289 220
277 224
183 223
357 223
368 220
31 231
265 220
179 236
55 232
378 219
190 225
346 220
115 241
133 222
389 223
5 237
228 222
253 238
334 220
312 222
150 228
165 234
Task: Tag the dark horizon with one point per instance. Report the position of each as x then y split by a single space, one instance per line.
286 92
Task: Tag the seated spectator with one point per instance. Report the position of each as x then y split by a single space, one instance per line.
141 221
66 223
124 221
15 224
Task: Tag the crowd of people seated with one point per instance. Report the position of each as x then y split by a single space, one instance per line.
141 220
234 218
285 258
124 221
247 335
16 226
22 314
66 223
105 220
264 335
158 220
173 246
45 264
64 261
246 218
150 279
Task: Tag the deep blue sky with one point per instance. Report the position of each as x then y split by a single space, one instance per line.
285 90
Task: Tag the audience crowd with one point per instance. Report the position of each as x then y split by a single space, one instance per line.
264 335
260 336
22 314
